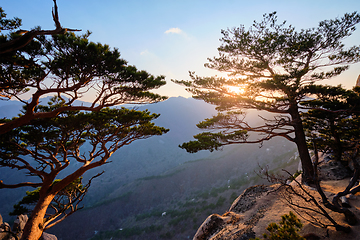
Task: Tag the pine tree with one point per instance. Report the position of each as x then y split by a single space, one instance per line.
270 65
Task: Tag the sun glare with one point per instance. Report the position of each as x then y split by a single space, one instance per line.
236 90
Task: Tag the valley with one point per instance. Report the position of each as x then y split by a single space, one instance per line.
152 189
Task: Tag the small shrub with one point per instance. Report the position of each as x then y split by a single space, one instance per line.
297 173
287 229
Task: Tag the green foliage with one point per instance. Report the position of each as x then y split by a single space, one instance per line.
8 24
79 68
66 133
66 195
44 139
60 139
274 64
333 122
31 198
296 174
253 54
213 141
287 229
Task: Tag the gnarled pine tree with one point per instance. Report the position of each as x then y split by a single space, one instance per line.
46 147
43 140
271 64
57 62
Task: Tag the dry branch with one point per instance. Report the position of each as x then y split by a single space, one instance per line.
28 36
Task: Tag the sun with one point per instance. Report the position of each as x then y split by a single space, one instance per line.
236 90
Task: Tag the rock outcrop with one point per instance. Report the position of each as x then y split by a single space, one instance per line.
19 224
358 82
48 236
233 224
214 224
251 213
330 169
8 233
4 230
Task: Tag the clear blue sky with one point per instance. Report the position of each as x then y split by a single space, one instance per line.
168 37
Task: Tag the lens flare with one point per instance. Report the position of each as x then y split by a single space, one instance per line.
236 90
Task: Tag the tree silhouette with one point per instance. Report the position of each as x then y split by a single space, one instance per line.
333 120
271 64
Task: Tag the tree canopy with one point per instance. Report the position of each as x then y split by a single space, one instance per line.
271 64
46 147
65 202
69 66
45 139
333 120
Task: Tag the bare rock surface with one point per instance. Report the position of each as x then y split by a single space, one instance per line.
18 228
48 236
330 169
248 198
214 224
19 223
260 205
4 227
234 225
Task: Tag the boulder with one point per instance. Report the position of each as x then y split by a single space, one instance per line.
210 226
330 169
48 236
20 222
214 223
18 227
233 224
5 235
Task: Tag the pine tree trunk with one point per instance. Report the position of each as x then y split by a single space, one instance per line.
300 140
307 166
34 226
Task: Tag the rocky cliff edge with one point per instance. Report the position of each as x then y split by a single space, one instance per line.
260 205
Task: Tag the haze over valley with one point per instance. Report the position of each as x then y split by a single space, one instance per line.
152 189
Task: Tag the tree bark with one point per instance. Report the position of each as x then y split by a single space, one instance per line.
300 140
34 227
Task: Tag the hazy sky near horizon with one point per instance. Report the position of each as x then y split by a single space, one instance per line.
168 37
